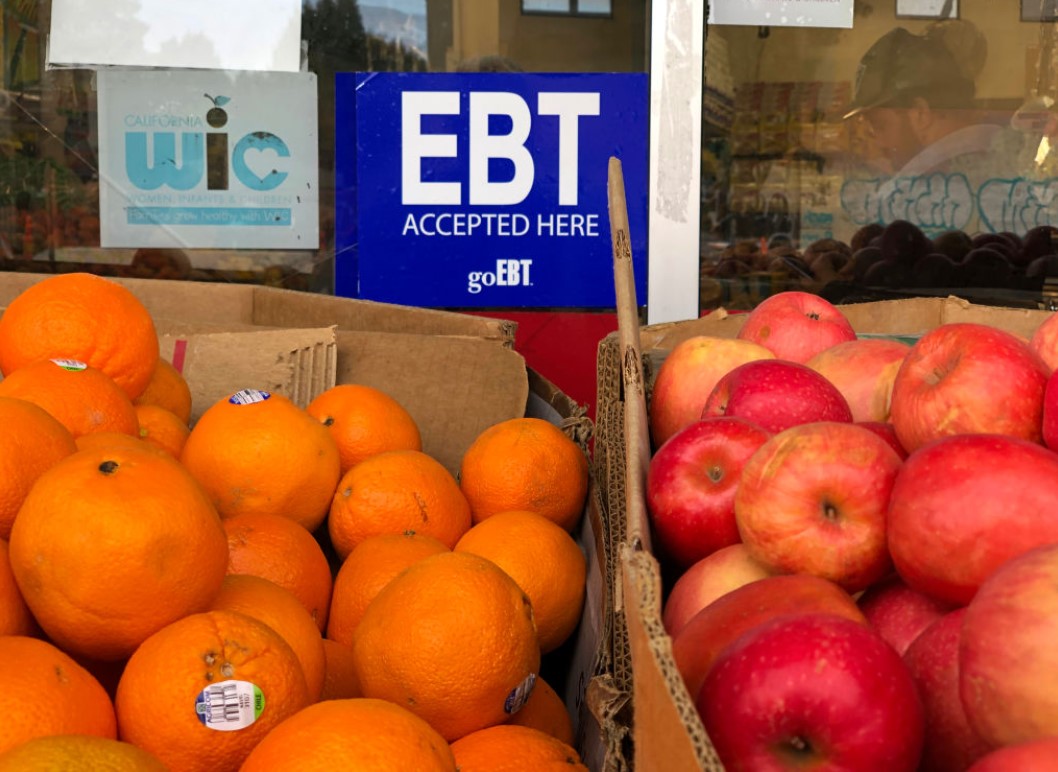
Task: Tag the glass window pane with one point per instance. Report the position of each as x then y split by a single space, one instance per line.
546 6
593 6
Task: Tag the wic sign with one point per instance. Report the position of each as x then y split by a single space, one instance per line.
485 189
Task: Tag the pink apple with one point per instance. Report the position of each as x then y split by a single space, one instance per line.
687 376
776 394
1037 756
898 613
885 430
696 647
812 691
813 500
691 483
968 379
863 371
1008 659
796 325
964 505
1049 428
707 580
1044 341
933 659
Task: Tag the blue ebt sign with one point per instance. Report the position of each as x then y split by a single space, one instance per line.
473 190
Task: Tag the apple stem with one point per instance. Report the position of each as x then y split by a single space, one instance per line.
715 473
830 512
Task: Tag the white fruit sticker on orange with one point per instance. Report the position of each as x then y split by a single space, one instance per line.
229 705
70 364
519 695
248 397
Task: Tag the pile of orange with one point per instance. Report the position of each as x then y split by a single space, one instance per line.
257 585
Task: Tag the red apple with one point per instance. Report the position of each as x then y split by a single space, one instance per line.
1008 660
964 505
691 483
1037 756
776 394
885 430
898 613
968 379
687 376
933 659
710 578
813 500
1044 341
796 325
812 691
701 640
863 371
1049 427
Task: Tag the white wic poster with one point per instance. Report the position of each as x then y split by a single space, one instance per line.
782 13
203 34
191 158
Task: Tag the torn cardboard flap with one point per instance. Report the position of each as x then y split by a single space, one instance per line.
299 364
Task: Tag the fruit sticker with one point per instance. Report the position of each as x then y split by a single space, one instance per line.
248 397
519 695
229 705
70 364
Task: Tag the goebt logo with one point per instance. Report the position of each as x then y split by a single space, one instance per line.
202 154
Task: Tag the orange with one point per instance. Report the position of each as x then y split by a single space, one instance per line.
84 317
356 734
43 691
545 710
364 421
76 751
543 559
167 388
98 440
15 618
32 442
511 748
269 603
113 544
451 638
162 428
525 463
339 672
394 492
373 564
202 692
259 452
278 549
81 398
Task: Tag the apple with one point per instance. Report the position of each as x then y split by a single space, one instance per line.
687 376
1044 341
967 378
885 430
964 505
1008 661
705 635
898 613
796 325
1049 425
813 500
707 580
1037 756
776 394
691 483
863 371
812 691
951 744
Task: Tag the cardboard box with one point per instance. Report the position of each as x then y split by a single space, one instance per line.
665 728
457 374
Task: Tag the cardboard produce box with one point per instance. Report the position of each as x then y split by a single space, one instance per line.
456 374
665 728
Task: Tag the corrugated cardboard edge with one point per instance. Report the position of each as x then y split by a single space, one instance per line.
589 692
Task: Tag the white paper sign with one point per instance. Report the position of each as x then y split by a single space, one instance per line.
782 13
203 34
208 159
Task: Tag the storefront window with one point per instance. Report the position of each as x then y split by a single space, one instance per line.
49 139
913 154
